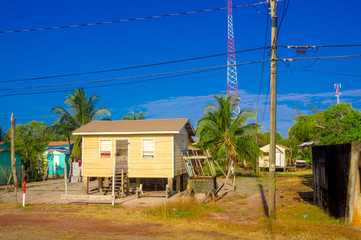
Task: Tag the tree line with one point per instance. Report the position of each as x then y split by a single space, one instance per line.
226 133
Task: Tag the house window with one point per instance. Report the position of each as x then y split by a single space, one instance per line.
105 148
148 148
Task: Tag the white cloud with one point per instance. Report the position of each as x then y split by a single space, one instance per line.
192 106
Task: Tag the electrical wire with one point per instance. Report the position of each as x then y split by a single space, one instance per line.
321 46
173 72
129 77
264 55
129 68
131 19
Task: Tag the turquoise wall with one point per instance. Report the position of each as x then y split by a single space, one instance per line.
5 162
63 158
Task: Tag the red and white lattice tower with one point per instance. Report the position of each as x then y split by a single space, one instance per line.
232 83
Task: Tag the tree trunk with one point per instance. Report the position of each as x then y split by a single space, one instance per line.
69 144
13 157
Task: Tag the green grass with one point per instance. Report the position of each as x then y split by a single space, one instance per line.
307 213
26 208
182 209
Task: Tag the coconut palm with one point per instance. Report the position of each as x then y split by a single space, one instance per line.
133 116
227 135
81 110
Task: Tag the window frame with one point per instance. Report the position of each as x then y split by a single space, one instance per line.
111 148
142 147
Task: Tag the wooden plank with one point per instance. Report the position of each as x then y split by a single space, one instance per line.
196 157
87 197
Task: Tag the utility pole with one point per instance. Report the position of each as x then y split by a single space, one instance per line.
13 157
257 162
272 156
337 86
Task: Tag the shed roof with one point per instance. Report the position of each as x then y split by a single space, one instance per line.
266 148
57 151
59 143
5 150
148 126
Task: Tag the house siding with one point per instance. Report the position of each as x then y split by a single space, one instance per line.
180 144
58 170
5 162
158 167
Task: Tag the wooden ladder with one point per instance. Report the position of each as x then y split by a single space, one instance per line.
121 184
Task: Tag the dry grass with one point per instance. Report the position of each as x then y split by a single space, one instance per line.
183 208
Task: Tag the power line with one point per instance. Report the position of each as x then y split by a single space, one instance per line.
168 62
129 68
324 57
104 85
123 83
131 19
264 55
174 72
320 46
129 77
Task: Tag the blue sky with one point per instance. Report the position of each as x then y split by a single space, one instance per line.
118 45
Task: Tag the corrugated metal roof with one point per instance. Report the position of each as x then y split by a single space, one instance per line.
136 127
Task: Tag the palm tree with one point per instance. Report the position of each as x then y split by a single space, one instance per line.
132 116
229 137
81 110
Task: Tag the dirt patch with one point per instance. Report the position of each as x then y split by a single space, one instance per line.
240 214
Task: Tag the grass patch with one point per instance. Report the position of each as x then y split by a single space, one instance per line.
306 213
26 208
181 209
115 206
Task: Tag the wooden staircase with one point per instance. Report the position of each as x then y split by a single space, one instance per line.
121 185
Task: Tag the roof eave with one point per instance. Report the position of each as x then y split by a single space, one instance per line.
124 133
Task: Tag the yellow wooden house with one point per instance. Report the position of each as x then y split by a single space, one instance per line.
141 148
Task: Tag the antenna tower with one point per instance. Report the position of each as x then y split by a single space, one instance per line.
232 83
337 86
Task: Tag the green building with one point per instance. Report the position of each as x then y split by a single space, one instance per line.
5 163
55 157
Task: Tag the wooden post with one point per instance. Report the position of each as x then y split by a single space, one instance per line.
170 185
185 181
122 184
138 181
128 185
100 184
13 157
86 185
220 168
66 181
113 185
229 171
273 104
178 183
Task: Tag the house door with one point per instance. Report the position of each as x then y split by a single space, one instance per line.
55 164
121 155
278 159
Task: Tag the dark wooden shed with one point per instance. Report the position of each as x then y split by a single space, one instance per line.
336 179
